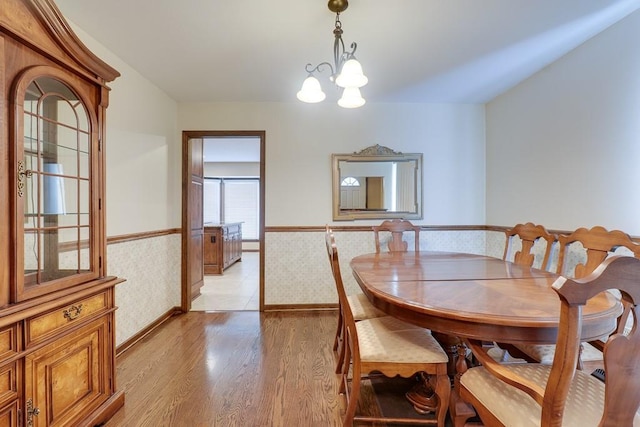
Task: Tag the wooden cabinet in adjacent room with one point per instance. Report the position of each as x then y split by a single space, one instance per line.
57 308
222 246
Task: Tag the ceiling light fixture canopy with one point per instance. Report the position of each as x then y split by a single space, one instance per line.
346 71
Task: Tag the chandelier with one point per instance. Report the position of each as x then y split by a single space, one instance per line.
346 71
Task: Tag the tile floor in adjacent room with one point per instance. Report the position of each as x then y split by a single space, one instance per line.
238 288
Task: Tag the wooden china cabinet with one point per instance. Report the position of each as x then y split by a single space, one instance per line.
57 346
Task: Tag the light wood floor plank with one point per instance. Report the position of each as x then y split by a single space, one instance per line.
232 369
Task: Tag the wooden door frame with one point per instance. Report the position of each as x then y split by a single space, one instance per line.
186 136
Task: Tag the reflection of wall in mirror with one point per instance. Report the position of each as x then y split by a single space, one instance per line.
405 195
382 170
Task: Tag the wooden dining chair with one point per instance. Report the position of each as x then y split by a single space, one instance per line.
361 309
521 248
528 235
397 228
391 347
535 394
596 244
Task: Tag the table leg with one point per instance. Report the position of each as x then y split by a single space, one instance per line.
459 410
450 345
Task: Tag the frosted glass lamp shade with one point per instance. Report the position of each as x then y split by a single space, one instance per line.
311 91
351 75
351 98
53 202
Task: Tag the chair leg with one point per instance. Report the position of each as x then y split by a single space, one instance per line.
443 391
351 395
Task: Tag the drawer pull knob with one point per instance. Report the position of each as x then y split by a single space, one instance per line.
73 312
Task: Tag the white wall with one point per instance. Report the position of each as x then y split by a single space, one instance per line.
563 147
300 139
143 151
229 169
144 182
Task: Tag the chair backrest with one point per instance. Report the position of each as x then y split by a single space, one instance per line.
397 228
598 242
621 351
528 234
332 251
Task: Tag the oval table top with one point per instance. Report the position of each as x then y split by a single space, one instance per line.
475 296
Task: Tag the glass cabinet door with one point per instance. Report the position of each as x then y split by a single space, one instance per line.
54 208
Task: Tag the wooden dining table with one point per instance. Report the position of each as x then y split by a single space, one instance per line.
459 296
475 296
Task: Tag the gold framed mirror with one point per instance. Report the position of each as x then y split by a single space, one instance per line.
377 183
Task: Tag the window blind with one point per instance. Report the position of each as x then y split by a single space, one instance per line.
242 204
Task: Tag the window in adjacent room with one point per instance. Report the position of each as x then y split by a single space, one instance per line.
228 200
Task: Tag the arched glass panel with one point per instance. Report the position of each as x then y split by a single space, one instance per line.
55 182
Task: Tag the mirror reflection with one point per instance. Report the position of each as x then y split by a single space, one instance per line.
377 182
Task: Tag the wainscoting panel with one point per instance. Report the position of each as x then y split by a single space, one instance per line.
152 269
297 270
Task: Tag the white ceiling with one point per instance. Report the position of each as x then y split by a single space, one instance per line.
412 50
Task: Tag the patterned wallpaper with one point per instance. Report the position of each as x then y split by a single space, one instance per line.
151 268
297 271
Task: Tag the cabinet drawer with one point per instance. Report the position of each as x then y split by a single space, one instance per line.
8 383
49 324
9 415
9 345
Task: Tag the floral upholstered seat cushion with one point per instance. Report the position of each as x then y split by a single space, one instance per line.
514 408
544 353
387 339
362 308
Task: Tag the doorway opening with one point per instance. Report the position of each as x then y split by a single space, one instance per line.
223 185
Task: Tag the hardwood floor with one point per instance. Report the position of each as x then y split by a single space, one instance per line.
233 369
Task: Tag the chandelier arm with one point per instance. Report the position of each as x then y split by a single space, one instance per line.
338 52
311 69
338 45
351 54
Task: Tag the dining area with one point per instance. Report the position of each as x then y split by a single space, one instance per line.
544 336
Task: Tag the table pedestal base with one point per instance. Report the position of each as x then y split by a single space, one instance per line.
460 411
422 396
